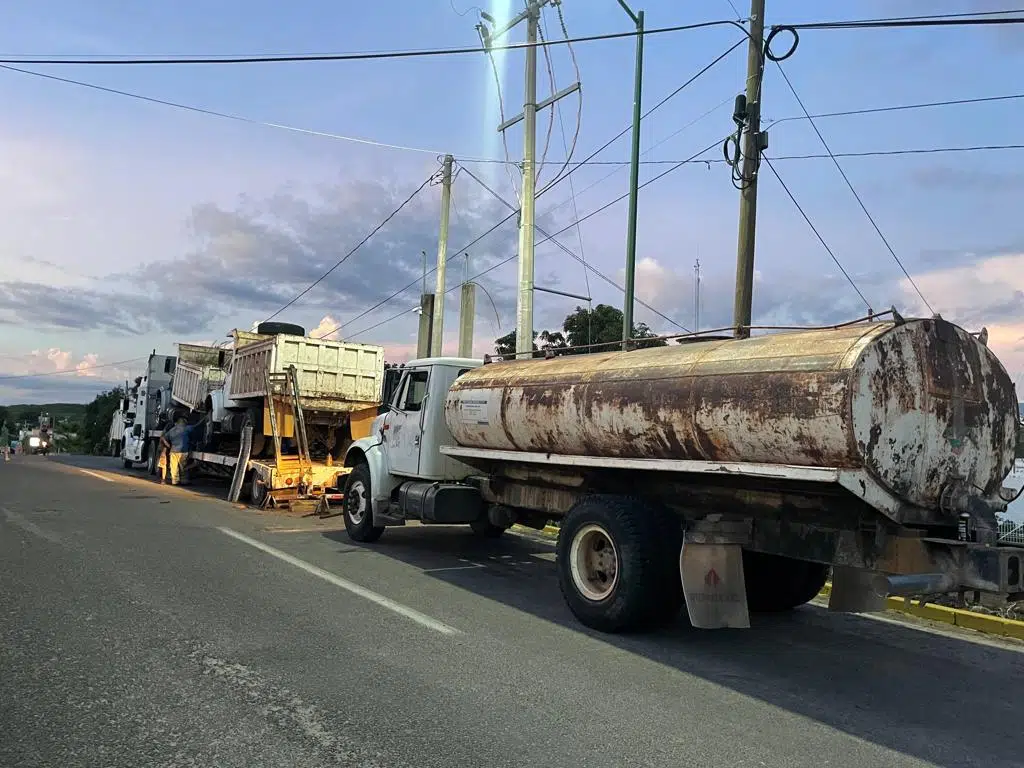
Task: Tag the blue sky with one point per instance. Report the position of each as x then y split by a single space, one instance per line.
130 226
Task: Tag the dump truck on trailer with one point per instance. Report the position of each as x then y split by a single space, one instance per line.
279 408
729 475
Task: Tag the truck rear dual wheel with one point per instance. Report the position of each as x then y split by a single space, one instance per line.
776 583
618 563
358 510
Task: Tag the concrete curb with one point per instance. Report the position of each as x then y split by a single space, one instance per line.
979 622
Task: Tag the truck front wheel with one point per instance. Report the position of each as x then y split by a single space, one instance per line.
617 563
358 508
776 583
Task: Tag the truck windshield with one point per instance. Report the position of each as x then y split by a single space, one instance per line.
415 390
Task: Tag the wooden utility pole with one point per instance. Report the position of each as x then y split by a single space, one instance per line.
753 143
437 331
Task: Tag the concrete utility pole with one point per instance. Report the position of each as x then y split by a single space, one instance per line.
423 337
467 315
753 143
437 331
696 295
524 301
634 178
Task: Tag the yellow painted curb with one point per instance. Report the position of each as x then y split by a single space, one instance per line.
979 622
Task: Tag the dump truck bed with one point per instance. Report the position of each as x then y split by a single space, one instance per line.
332 375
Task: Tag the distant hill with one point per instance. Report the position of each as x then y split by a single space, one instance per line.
70 411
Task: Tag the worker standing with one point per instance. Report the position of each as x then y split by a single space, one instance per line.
174 441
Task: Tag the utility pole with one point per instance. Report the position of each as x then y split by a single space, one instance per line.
437 331
696 295
524 301
753 143
634 178
467 315
426 311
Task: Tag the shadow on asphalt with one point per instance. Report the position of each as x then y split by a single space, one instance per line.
938 698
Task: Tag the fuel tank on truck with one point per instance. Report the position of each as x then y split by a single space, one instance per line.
915 403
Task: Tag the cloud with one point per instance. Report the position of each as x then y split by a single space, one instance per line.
262 253
54 374
327 328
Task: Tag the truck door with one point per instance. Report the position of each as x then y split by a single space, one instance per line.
403 427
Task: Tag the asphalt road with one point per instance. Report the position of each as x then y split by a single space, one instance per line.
152 626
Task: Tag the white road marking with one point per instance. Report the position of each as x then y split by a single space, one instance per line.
373 597
96 474
30 527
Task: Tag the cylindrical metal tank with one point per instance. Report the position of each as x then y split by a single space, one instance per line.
916 403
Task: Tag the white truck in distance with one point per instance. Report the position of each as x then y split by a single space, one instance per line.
732 473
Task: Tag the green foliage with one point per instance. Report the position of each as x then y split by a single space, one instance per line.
29 413
96 422
581 331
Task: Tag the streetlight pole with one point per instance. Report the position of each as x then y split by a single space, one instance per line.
634 178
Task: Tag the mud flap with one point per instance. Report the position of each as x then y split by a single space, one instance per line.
854 591
716 594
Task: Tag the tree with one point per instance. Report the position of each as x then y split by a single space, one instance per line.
602 325
98 415
584 331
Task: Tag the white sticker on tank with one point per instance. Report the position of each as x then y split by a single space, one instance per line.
474 412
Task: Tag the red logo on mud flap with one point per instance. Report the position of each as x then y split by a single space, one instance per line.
711 578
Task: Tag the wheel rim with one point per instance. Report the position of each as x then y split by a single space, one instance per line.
355 502
594 563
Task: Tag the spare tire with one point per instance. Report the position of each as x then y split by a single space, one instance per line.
274 329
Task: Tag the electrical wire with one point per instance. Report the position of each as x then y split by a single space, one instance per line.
501 263
551 115
586 267
361 243
229 116
571 151
353 56
895 23
849 184
817 234
566 175
70 371
898 108
501 114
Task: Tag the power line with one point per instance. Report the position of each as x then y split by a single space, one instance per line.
849 184
559 180
230 116
361 243
817 234
900 107
355 56
905 22
587 267
72 370
564 229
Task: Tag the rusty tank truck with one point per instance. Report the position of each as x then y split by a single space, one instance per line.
277 409
731 475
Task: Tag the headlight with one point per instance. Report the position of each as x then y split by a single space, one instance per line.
33 442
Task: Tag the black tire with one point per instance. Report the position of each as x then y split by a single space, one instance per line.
357 507
645 588
776 584
257 491
128 463
154 460
275 328
486 529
